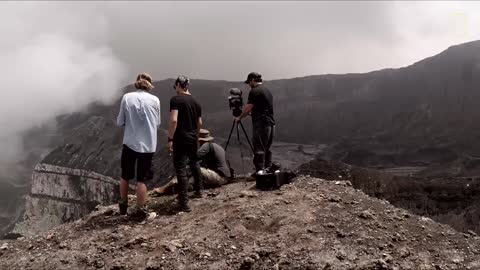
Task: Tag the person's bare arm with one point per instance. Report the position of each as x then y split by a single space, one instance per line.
199 123
159 120
172 126
172 123
246 111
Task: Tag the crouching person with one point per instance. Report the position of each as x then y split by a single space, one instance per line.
214 168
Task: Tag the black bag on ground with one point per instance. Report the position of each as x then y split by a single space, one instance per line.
273 180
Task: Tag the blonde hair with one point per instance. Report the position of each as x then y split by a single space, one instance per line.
144 82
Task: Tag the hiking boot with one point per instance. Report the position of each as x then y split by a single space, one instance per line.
122 207
138 212
270 170
183 208
273 167
197 195
255 174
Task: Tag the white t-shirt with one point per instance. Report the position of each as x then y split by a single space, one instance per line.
140 115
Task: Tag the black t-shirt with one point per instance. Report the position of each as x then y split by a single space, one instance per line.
188 113
262 101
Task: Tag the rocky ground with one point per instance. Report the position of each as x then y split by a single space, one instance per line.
309 224
447 199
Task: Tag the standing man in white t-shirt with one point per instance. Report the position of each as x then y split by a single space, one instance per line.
140 116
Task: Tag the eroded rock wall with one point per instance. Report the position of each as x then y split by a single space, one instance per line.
61 194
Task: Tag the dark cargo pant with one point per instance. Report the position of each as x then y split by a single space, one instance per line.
186 154
262 141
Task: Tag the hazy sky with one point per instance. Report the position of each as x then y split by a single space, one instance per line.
57 57
226 40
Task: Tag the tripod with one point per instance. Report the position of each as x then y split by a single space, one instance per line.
237 111
236 124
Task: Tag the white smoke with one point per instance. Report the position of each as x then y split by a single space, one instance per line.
55 58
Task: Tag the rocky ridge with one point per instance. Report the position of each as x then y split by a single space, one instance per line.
309 224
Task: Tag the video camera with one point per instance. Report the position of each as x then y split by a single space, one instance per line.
235 101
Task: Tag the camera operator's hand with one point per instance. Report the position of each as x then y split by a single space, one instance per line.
170 147
236 119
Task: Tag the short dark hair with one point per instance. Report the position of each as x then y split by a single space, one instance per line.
183 81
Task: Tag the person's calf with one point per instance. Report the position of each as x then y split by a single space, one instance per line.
123 203
124 189
141 194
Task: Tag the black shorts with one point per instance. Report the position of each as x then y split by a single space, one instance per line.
143 161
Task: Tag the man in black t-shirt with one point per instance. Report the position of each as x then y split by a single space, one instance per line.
184 124
260 105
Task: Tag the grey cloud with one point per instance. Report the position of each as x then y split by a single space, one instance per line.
55 60
224 40
77 52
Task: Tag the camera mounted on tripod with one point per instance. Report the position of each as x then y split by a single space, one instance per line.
235 101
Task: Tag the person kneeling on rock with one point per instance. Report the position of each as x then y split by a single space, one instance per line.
214 168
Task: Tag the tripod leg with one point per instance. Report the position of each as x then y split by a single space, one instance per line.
230 135
238 135
241 148
246 136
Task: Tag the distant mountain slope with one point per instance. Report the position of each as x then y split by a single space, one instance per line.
415 113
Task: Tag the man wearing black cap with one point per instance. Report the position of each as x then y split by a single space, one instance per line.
260 106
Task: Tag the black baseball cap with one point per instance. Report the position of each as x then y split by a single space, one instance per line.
253 76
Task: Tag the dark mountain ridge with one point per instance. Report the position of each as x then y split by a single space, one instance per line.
424 113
